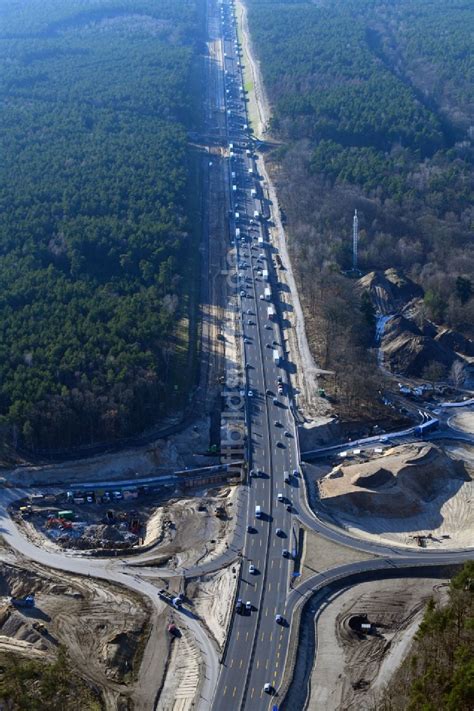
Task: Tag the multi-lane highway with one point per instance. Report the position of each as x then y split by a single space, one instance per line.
255 652
257 643
254 660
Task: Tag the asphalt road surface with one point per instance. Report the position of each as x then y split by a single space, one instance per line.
257 643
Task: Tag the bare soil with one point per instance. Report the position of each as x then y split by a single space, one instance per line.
212 597
417 494
103 627
188 448
351 667
320 554
181 531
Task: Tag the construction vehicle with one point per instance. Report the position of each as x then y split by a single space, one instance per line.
27 601
173 630
67 515
220 511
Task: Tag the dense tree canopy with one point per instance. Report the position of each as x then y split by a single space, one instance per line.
94 213
439 671
373 108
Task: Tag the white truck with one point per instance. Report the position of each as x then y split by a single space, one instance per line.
265 274
271 312
253 192
258 512
276 356
260 239
268 293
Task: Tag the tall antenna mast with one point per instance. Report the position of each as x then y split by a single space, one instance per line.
355 240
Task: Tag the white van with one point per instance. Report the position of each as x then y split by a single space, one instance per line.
258 512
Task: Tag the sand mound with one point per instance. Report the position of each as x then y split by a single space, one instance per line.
374 480
398 484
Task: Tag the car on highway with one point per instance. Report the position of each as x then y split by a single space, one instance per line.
268 392
247 341
281 445
252 569
295 472
277 423
261 297
248 605
275 401
280 496
288 507
279 619
252 473
279 532
288 434
268 688
269 328
250 529
239 605
250 393
285 553
250 322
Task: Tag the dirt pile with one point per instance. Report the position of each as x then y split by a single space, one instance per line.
394 485
390 290
409 341
406 349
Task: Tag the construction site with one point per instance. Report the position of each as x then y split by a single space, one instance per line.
177 529
416 494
